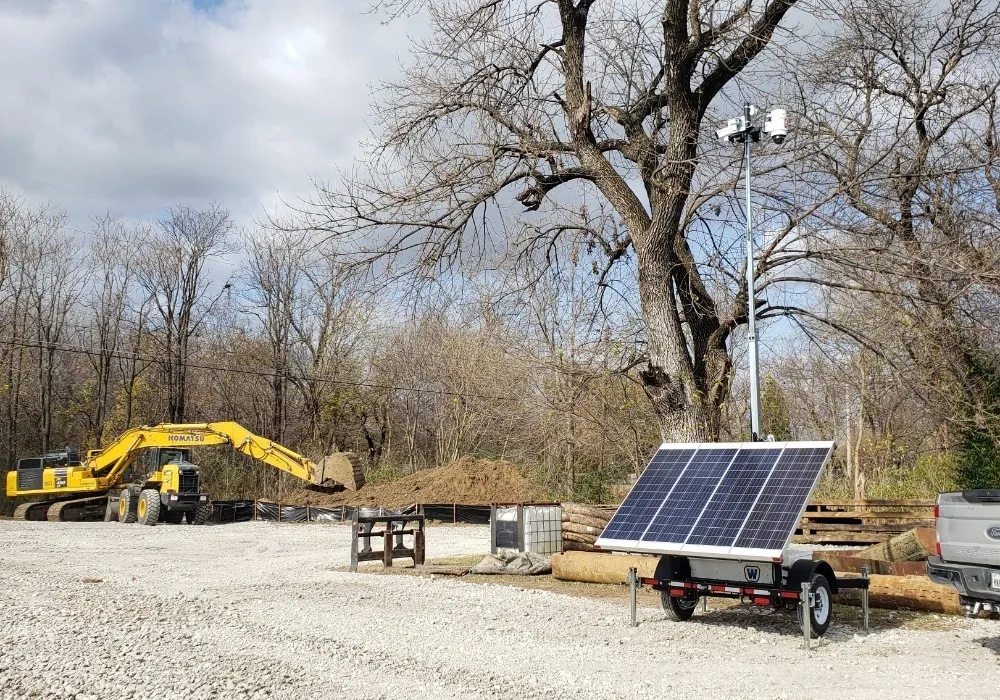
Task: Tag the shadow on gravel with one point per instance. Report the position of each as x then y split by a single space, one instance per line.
722 612
991 643
846 621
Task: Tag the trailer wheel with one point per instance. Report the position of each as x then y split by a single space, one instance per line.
202 513
677 609
148 508
822 611
126 507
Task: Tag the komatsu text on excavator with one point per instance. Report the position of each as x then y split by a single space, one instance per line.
147 475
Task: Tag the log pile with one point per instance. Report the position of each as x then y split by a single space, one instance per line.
583 524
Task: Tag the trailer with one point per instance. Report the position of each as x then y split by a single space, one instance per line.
684 581
721 516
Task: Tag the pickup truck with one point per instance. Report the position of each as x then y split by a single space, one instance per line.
968 547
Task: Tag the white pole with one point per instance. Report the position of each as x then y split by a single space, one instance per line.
751 299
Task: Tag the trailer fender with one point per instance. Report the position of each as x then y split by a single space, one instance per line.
803 569
673 568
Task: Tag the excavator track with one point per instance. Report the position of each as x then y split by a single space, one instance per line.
88 509
77 510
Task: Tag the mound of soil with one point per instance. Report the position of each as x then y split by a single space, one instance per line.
466 481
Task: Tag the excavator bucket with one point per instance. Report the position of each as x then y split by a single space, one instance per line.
340 469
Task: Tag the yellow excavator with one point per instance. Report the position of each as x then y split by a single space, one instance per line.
146 475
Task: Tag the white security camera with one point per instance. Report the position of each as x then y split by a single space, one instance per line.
730 130
776 125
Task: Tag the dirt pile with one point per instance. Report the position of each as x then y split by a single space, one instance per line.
466 481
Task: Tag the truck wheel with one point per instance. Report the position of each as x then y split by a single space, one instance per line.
822 611
202 514
148 508
677 609
126 507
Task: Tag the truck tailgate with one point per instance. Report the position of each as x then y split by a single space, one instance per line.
968 527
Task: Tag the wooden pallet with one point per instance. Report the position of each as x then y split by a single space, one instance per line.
861 521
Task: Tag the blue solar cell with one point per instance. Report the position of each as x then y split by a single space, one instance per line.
647 495
686 500
723 516
777 510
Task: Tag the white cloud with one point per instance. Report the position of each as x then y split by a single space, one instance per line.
138 105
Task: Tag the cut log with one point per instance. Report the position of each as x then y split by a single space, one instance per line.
599 512
849 562
910 592
578 519
582 529
600 567
569 546
913 545
576 537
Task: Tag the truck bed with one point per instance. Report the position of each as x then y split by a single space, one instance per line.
968 527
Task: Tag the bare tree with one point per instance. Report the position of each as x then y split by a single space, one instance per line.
535 102
175 274
901 106
55 279
114 257
328 323
273 288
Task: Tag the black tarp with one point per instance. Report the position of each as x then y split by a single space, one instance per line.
444 513
294 514
241 511
232 511
267 511
320 514
472 515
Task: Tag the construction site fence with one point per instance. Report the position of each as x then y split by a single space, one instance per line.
244 511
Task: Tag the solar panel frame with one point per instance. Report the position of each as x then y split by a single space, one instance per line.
723 552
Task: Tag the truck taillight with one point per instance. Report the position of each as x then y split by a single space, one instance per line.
937 511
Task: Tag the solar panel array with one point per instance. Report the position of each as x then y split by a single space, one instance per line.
738 500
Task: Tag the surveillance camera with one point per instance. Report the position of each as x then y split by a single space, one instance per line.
776 125
732 128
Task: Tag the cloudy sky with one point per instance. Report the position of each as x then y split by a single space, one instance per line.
135 105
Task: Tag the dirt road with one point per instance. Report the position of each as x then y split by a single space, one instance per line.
104 610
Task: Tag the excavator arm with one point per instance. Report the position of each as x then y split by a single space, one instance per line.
111 462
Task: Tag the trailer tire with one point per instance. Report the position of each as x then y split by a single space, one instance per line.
148 508
202 514
677 609
822 612
126 507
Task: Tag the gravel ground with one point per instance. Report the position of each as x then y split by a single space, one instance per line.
104 610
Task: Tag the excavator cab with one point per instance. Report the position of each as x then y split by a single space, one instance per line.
50 472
